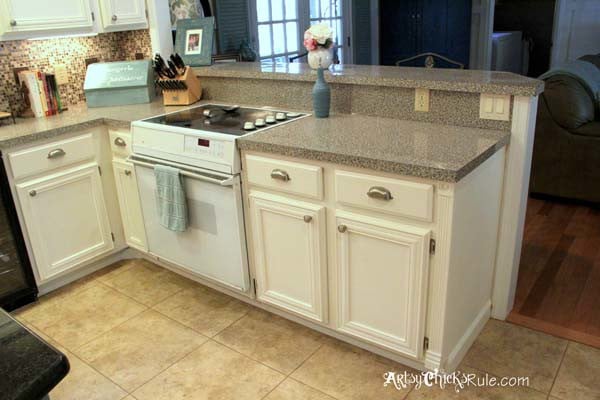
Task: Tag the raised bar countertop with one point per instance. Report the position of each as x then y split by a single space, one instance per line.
29 367
425 150
494 82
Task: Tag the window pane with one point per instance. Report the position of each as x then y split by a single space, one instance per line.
278 39
290 9
264 40
262 10
314 8
291 29
276 10
281 59
325 8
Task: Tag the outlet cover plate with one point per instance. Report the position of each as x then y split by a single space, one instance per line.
421 100
494 106
62 76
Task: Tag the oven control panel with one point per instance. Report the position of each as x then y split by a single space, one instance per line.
204 147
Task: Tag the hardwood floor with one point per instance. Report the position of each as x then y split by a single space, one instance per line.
558 290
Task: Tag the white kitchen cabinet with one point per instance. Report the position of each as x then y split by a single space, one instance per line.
381 280
290 254
32 15
123 14
66 219
129 202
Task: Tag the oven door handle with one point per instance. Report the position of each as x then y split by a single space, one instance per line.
228 181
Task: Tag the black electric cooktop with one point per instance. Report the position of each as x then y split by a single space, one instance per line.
223 119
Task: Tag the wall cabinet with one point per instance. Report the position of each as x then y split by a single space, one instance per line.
66 219
381 280
289 245
33 15
120 14
26 19
129 202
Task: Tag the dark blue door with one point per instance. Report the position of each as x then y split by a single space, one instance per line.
411 27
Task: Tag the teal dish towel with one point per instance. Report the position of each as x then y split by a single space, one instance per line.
170 198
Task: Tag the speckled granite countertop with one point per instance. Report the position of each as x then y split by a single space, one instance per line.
425 150
29 367
406 77
77 117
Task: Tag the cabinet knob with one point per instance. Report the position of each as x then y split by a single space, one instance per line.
13 22
114 18
32 193
342 228
381 193
127 172
120 142
307 218
280 174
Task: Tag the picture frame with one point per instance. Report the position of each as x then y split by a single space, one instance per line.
194 40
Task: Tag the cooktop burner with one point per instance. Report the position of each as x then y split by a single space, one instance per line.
231 120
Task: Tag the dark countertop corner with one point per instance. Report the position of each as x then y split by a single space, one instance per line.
29 367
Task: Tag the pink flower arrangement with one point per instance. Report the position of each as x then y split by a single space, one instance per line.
316 36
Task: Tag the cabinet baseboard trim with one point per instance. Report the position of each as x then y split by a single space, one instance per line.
465 342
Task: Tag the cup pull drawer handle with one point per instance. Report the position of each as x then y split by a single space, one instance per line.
127 172
280 174
342 228
56 153
120 142
378 192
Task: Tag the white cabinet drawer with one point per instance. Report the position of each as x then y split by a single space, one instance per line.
394 196
290 177
47 157
120 143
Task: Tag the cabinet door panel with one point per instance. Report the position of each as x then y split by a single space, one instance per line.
290 258
382 275
129 202
66 219
30 15
120 14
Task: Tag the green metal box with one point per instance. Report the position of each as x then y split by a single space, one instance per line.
119 83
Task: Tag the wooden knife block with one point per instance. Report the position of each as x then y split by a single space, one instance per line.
183 97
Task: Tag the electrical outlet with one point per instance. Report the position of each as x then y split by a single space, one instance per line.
60 71
421 99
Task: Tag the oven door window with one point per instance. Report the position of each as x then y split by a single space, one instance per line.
214 245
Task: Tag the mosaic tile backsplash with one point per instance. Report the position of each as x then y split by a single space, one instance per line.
43 54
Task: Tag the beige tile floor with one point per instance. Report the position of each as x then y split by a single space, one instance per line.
136 331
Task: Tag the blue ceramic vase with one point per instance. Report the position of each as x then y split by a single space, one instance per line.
321 96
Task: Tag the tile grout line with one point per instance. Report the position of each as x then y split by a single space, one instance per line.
562 360
288 376
171 365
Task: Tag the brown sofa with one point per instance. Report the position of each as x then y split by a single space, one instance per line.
566 150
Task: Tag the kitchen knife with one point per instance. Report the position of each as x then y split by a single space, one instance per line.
180 70
173 68
179 61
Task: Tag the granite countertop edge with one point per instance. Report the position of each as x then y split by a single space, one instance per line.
533 88
395 167
61 130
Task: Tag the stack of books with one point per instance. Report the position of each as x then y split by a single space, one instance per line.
44 96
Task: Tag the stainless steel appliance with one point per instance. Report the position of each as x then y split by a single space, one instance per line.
200 142
17 284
